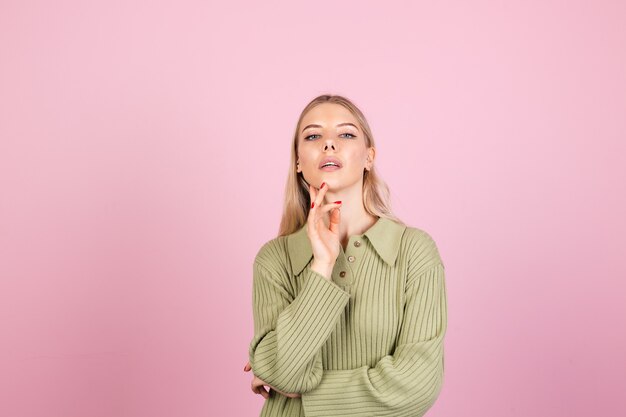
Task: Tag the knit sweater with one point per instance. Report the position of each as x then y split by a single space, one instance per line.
369 342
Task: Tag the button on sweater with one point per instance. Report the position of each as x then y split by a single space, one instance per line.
368 342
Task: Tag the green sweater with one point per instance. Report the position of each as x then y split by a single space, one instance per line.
368 343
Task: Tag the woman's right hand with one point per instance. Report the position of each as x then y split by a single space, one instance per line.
324 239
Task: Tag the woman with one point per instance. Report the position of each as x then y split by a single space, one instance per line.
349 303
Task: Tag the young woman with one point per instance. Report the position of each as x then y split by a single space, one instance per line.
349 303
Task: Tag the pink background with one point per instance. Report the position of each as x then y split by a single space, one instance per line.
144 149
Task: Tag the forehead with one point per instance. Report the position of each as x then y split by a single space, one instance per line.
328 115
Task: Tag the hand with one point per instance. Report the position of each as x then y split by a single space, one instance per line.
258 386
324 239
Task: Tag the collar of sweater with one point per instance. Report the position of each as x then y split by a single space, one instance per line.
384 235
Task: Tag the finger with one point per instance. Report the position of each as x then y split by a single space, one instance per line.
247 367
319 213
320 195
261 391
335 219
312 193
259 388
315 210
256 381
312 216
326 208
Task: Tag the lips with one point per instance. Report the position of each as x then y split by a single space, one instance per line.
331 159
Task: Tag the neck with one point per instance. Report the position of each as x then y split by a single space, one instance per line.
354 219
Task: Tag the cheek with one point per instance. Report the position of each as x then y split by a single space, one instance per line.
307 165
307 157
306 162
356 160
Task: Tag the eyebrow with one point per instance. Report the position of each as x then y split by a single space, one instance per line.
340 124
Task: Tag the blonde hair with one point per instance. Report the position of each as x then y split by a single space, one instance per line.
376 196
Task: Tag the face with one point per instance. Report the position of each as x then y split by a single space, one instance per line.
330 130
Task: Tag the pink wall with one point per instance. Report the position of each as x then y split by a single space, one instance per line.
143 153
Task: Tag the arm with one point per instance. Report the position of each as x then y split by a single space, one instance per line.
289 333
406 383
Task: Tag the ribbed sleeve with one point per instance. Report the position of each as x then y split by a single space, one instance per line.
285 351
405 383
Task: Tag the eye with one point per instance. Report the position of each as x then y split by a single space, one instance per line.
311 136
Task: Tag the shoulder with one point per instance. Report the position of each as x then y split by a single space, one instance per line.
272 265
273 254
421 248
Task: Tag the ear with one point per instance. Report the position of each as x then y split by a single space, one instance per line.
371 155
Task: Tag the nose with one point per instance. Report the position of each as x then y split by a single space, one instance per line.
329 144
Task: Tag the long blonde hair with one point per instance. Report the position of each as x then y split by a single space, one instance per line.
376 196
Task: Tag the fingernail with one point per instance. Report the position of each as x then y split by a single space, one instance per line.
312 204
322 186
338 202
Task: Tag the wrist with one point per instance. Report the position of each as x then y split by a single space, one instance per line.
323 268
